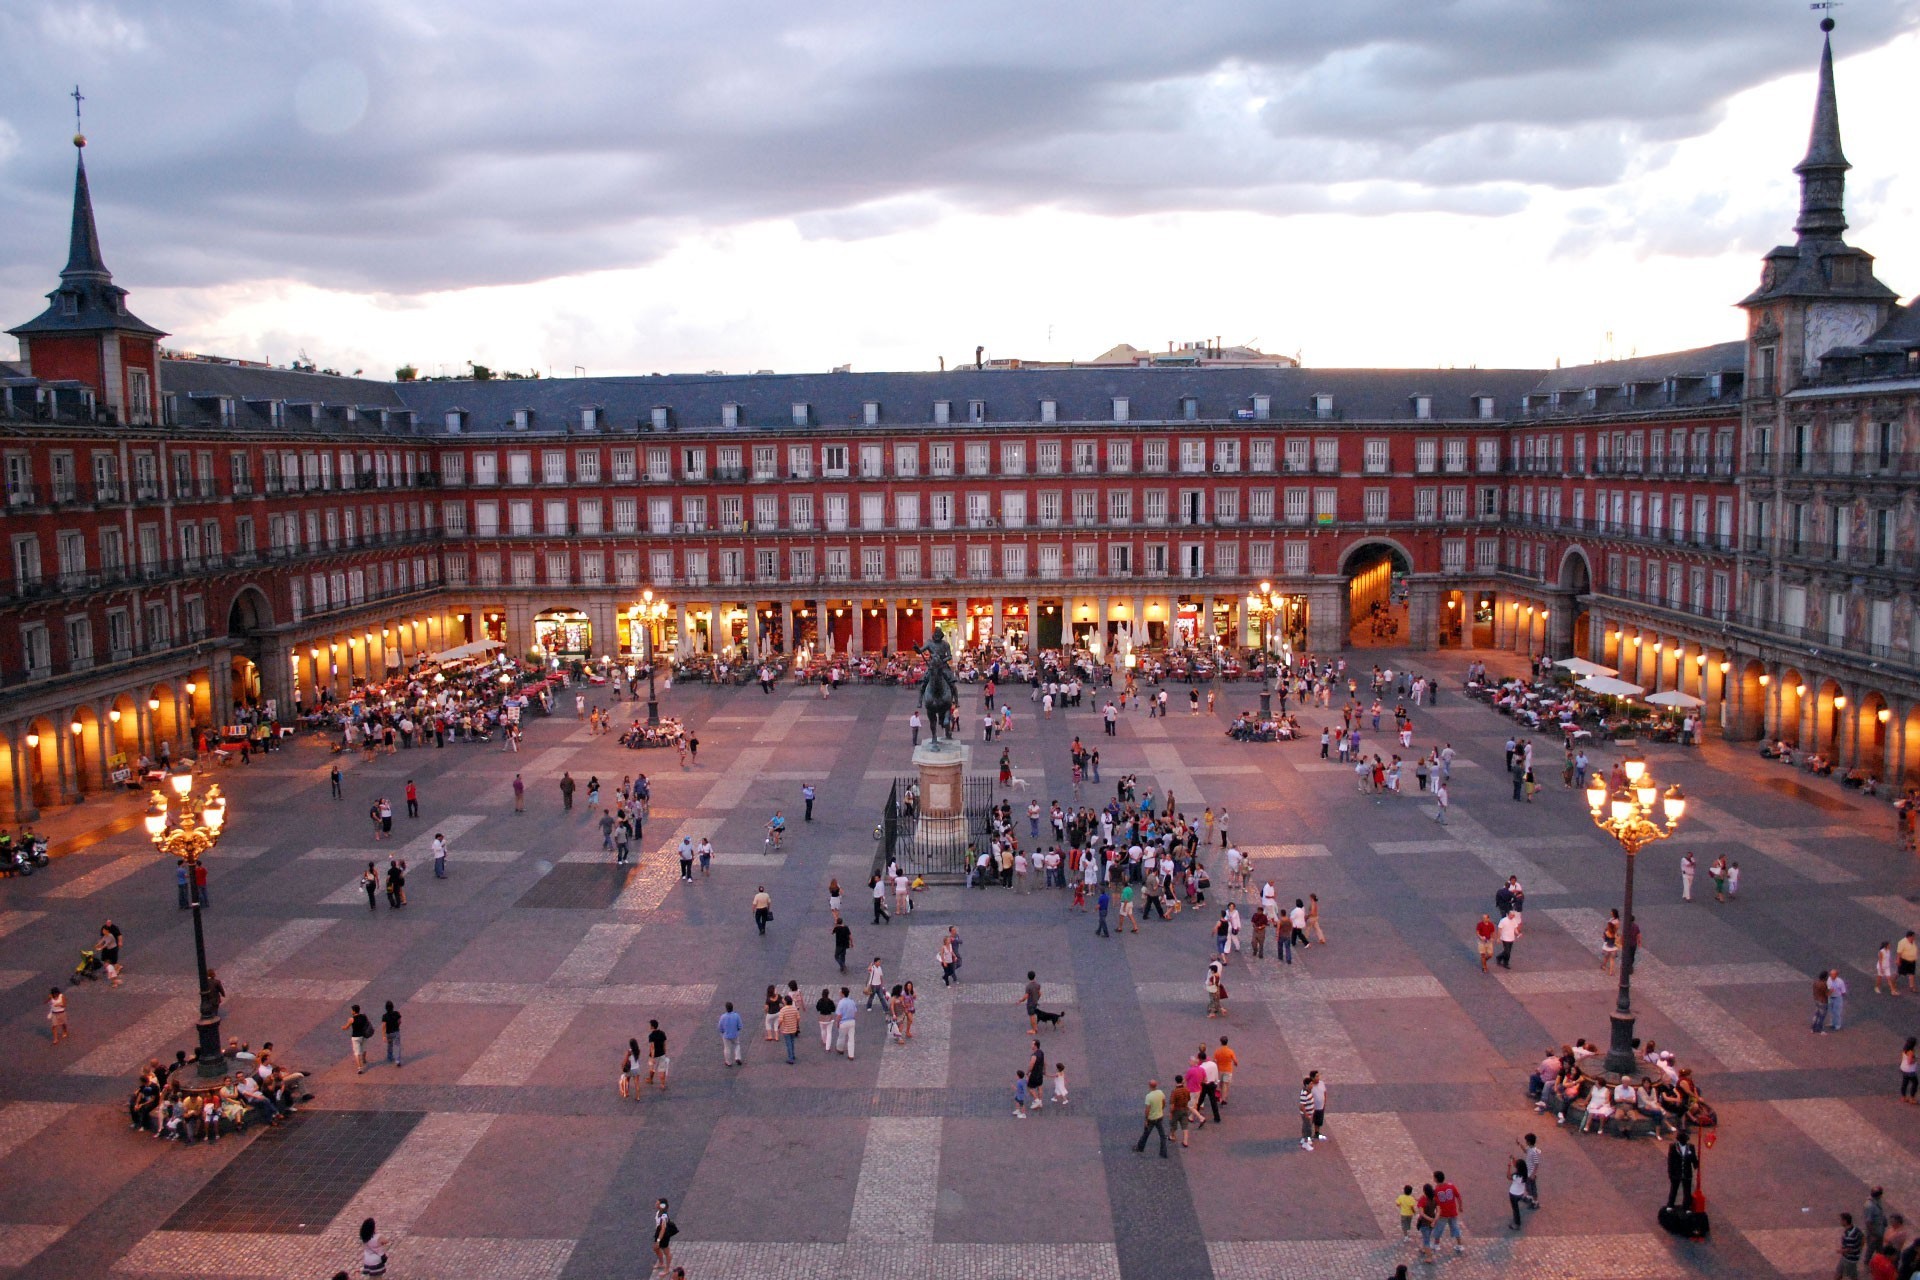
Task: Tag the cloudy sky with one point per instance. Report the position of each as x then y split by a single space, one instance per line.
635 187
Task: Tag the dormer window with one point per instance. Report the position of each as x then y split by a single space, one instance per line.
1843 270
1423 406
976 411
729 415
69 304
1323 406
1483 407
870 413
522 419
662 417
802 413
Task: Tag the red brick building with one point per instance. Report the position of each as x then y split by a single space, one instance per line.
1725 520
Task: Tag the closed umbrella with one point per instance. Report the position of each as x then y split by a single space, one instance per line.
1581 667
1611 687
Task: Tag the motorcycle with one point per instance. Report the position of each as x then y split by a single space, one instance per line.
33 846
14 861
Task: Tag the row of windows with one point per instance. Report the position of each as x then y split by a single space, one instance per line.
905 459
150 630
1651 451
942 509
801 413
192 473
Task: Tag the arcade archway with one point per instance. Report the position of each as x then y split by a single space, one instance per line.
1376 573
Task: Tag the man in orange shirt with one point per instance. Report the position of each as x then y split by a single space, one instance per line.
1225 1059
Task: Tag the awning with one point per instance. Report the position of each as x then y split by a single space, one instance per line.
1674 698
472 649
1612 688
1581 667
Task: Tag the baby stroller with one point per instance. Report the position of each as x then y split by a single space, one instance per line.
89 967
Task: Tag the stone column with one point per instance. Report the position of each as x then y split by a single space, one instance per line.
1896 778
70 792
1423 623
786 627
856 634
1100 608
1326 618
892 607
24 810
1033 626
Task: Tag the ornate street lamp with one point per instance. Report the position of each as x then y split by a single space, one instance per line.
652 612
1628 816
1266 605
185 827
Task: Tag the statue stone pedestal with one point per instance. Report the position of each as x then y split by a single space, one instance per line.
940 832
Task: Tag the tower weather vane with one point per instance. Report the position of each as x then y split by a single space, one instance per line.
1826 22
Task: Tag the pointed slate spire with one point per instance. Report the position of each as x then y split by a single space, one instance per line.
83 254
1823 173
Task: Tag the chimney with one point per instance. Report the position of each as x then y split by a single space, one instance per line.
979 354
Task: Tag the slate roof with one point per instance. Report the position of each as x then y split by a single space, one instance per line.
87 300
1083 395
1695 362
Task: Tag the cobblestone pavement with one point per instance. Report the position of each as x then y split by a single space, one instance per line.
502 1149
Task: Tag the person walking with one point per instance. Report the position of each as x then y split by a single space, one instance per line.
1836 999
566 792
658 1064
519 794
664 1230
1687 867
1306 1113
1530 1156
686 861
843 942
1820 997
333 783
373 1250
1155 1114
878 885
1508 931
846 1017
762 909
729 1028
370 881
1030 996
1516 1189
876 987
947 956
1101 904
1883 969
359 1029
806 796
1319 1106
789 1025
57 1015
413 799
1449 1204
390 1027
1444 797
826 1010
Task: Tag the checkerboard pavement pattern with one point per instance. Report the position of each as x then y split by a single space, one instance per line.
503 1148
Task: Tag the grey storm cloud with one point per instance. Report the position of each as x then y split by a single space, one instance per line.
404 147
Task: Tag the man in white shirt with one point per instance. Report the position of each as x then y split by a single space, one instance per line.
876 982
846 1015
1508 932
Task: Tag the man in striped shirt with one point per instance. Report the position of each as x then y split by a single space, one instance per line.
1306 1113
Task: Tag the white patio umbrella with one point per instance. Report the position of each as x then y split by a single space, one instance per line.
1581 667
1611 687
1674 698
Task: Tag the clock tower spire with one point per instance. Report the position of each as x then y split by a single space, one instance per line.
1818 293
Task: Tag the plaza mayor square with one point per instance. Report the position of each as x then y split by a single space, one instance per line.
613 665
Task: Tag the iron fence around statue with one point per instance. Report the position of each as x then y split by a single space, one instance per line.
935 860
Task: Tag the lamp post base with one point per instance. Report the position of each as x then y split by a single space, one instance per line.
1266 705
208 1055
1620 1056
653 710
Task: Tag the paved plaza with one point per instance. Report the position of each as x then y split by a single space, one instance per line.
502 1149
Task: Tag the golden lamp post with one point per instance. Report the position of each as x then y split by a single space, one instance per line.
651 613
1628 816
185 827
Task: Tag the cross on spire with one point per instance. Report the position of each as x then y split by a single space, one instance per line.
79 98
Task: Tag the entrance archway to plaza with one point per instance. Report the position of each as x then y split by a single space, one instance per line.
1373 615
1829 710
1576 578
249 619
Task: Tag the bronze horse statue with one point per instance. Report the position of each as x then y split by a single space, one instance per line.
938 692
